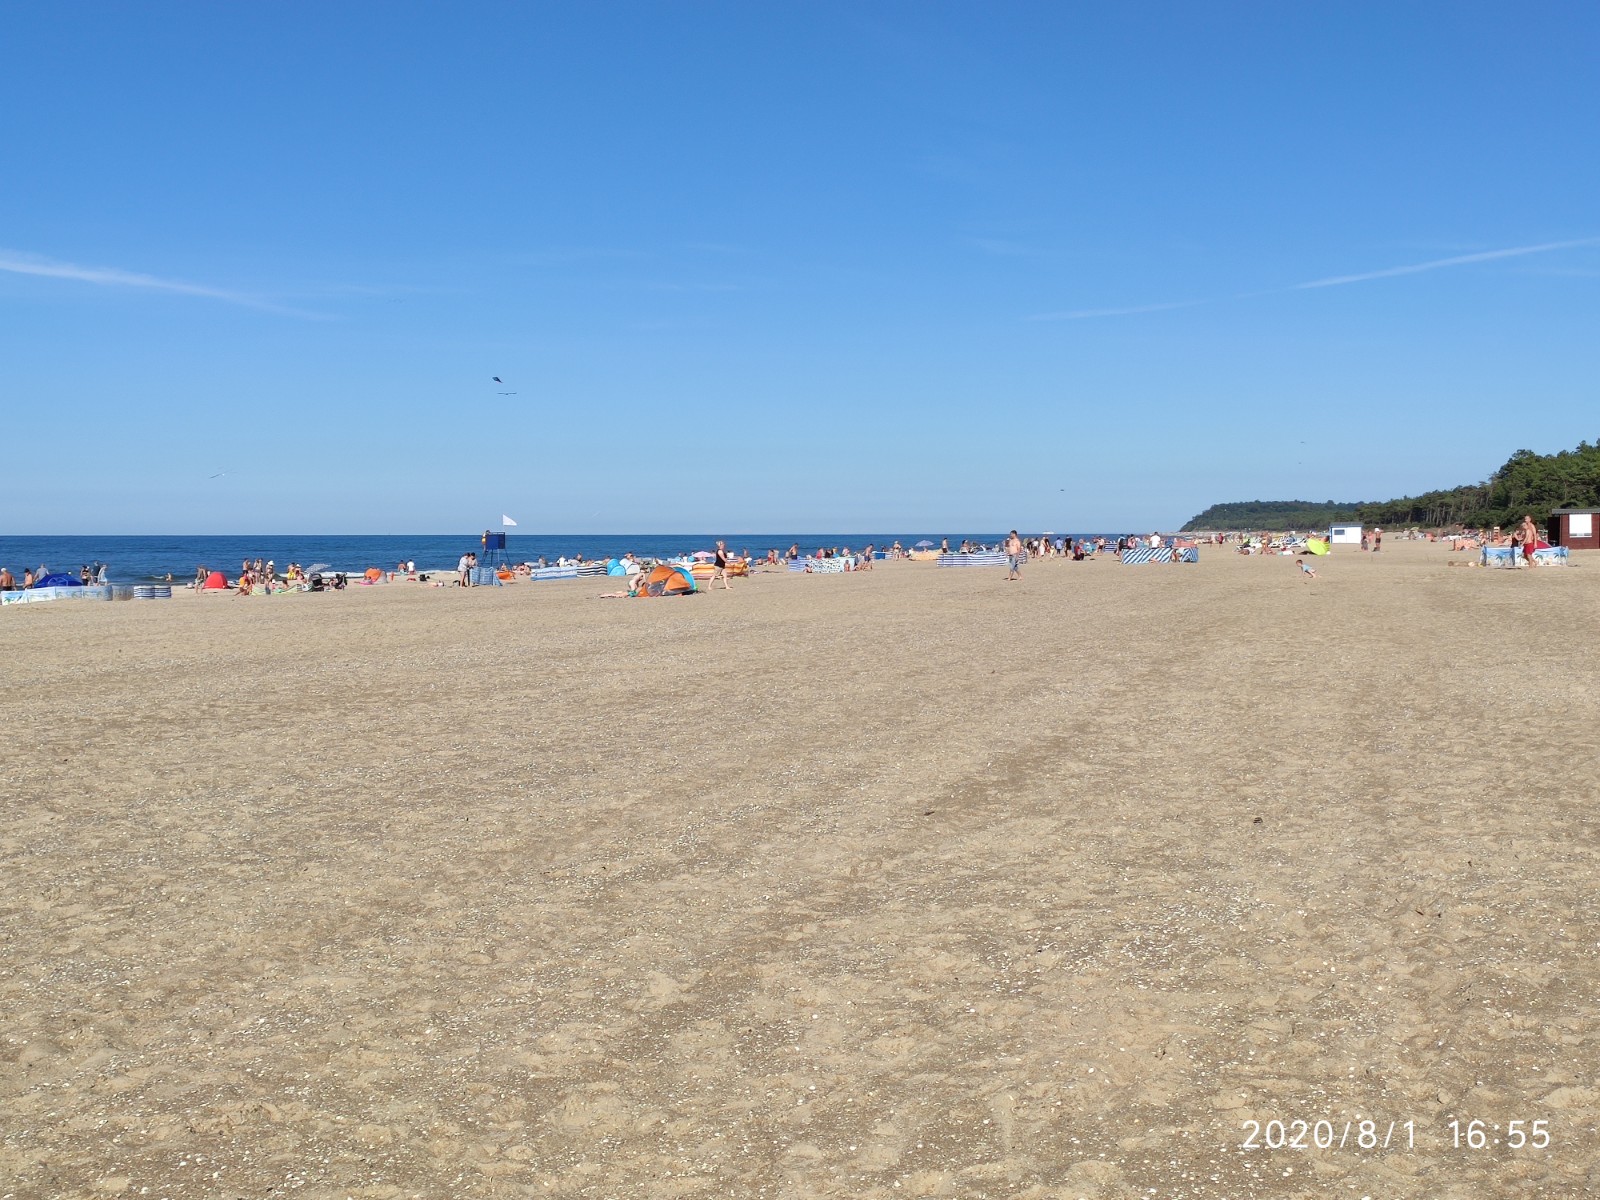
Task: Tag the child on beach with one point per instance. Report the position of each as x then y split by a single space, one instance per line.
1307 572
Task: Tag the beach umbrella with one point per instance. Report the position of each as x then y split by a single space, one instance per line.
315 567
924 544
704 554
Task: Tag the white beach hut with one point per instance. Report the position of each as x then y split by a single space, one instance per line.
1344 535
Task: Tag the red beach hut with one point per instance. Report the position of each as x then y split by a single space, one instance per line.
1575 528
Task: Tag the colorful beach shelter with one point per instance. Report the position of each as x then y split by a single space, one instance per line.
58 580
215 582
1317 545
667 580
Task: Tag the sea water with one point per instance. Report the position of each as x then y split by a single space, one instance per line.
141 559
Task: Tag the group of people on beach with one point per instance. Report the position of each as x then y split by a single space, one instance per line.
251 574
88 575
1524 539
8 581
260 577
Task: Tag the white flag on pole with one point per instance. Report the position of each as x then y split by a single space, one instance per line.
505 520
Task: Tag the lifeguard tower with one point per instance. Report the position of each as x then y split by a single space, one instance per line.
491 558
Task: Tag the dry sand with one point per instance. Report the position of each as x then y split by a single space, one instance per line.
906 883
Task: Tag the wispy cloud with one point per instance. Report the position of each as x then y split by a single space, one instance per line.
1436 264
31 264
1440 263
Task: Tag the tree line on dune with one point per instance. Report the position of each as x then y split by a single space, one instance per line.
1527 483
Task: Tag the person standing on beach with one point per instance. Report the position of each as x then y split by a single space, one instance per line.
1530 539
720 561
1014 553
464 571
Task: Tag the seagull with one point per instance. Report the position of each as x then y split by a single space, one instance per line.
505 393
497 379
219 475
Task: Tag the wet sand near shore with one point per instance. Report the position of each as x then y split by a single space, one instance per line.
905 883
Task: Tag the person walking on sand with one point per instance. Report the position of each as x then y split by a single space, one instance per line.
1530 540
1014 557
720 561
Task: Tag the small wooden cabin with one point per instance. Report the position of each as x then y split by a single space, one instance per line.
1575 528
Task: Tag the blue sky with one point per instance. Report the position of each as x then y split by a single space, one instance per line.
784 266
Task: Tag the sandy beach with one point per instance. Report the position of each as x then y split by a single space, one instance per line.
903 883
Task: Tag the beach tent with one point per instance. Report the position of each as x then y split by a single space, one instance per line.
1317 545
58 580
668 580
614 567
215 582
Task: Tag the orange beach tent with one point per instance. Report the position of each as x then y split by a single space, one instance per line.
215 582
667 580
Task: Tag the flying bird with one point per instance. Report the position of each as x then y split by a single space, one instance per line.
497 379
219 475
505 393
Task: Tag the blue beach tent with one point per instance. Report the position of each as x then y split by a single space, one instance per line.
58 580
